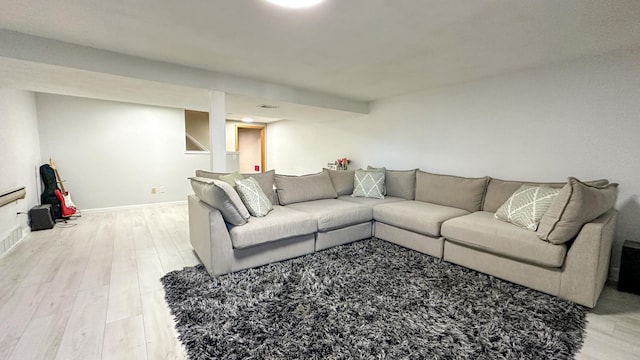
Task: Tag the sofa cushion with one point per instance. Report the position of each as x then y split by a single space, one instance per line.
281 223
576 204
265 179
398 183
526 206
295 189
342 180
333 213
253 197
417 216
231 178
498 191
371 202
401 183
448 190
480 230
369 184
221 196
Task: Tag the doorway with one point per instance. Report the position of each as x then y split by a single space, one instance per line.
250 143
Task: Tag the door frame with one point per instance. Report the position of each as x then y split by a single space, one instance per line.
262 129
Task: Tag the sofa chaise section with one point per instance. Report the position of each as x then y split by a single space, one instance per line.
575 268
481 231
579 276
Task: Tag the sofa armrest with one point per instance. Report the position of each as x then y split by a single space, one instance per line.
586 267
209 237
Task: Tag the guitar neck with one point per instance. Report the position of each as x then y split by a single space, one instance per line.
58 180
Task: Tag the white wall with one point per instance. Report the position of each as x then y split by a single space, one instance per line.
577 119
19 154
112 153
230 134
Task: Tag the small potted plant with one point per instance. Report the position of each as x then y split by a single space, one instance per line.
342 164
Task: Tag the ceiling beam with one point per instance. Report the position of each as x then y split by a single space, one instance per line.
25 47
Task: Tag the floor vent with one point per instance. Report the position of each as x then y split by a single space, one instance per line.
10 238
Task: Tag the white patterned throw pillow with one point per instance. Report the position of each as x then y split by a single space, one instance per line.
253 197
526 206
369 184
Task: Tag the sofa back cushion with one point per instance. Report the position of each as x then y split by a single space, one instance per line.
498 191
342 180
220 195
295 189
231 178
401 183
265 180
398 183
460 192
577 204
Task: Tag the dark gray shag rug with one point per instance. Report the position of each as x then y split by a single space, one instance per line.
368 300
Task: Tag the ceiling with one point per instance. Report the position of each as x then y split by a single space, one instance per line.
357 49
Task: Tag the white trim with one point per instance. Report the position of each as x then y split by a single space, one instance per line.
196 152
196 142
11 238
131 207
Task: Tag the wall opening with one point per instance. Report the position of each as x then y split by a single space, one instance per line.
196 129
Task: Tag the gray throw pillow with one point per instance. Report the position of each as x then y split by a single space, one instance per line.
220 195
526 206
498 191
576 204
231 178
368 184
295 189
265 179
253 197
384 170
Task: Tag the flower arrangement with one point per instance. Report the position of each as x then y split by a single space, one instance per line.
342 164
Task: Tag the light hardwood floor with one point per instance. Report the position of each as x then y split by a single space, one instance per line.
92 291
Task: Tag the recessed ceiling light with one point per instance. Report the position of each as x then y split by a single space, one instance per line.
247 120
295 3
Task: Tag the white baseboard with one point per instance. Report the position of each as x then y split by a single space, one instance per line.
11 238
132 207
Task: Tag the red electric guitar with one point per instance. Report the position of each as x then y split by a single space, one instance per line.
67 206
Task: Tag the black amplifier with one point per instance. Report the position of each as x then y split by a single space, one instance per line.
629 279
41 217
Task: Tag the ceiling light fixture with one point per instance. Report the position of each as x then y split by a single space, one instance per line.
247 120
295 4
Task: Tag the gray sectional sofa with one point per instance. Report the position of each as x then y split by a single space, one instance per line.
449 217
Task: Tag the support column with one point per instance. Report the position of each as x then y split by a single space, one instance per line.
217 136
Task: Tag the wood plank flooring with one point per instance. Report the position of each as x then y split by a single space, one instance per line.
93 291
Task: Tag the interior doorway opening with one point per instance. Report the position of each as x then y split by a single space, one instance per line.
250 144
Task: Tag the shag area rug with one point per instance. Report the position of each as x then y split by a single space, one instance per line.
368 300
